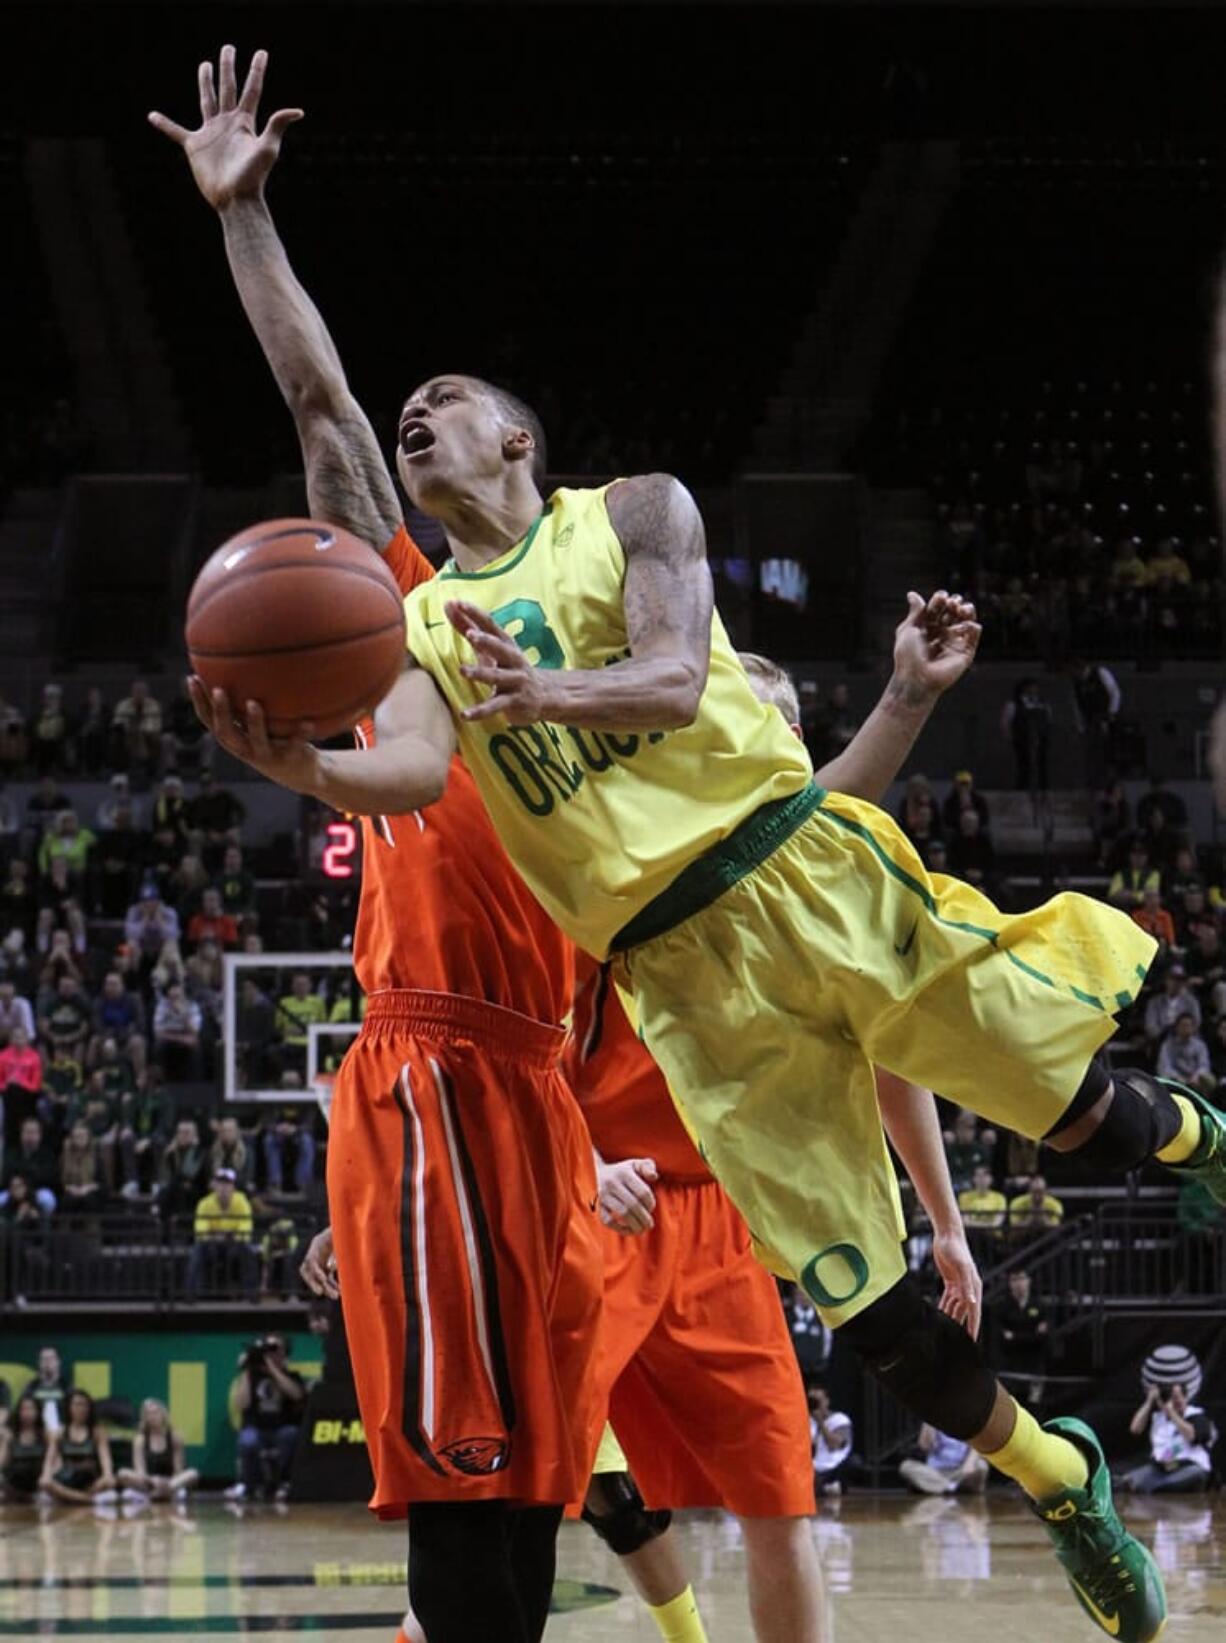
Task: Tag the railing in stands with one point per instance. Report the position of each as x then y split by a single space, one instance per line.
148 1262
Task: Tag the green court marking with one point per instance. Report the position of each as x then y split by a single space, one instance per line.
569 1596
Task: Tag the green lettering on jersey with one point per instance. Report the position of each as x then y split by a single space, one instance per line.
855 1268
533 632
595 755
521 774
545 745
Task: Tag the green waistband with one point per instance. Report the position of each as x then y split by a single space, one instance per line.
719 868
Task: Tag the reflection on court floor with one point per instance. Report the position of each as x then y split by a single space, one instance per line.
896 1569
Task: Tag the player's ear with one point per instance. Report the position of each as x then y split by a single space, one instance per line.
518 445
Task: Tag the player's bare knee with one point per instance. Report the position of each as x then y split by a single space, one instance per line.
615 1510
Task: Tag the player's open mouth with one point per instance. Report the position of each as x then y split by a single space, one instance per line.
416 439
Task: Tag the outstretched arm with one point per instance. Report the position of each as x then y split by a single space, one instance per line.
668 602
348 482
405 770
934 644
909 1114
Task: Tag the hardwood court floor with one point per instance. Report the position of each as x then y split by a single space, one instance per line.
897 1571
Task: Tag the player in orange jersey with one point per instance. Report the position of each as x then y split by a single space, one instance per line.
697 1365
460 1174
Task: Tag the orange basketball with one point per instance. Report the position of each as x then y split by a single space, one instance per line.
301 617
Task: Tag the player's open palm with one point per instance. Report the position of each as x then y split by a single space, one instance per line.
229 158
625 1196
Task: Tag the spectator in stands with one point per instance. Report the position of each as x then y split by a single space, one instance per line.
119 1013
78 1470
272 1398
182 1171
117 802
831 1436
1024 1330
971 856
289 1150
116 863
964 796
64 1021
136 732
1180 1434
81 1172
149 925
255 1035
1164 1008
162 855
1168 566
184 742
212 923
1034 1210
21 1083
917 815
93 733
216 813
33 1159
23 1452
224 1227
235 883
140 1119
1026 722
984 1211
10 821
1129 883
12 738
18 900
1096 697
170 810
1184 1056
159 1469
22 1256
204 975
98 1108
278 1255
67 840
229 1151
186 886
45 804
176 1034
49 1388
59 909
49 733
1110 822
297 1010
1128 569
966 1150
1161 801
1154 919
945 1466
15 1011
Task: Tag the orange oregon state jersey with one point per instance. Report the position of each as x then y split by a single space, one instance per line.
623 1094
441 907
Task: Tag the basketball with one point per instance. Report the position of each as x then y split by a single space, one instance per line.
301 617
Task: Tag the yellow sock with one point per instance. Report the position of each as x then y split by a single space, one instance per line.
1040 1461
1189 1137
679 1620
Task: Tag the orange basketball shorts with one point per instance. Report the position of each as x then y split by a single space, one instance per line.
462 1194
697 1371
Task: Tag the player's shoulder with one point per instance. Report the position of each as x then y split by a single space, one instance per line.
642 507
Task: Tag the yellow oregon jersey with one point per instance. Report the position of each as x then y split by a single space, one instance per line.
597 822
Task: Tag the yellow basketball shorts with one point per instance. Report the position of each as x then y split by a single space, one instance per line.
766 1009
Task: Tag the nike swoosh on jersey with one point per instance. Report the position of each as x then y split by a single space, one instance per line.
903 948
1111 1625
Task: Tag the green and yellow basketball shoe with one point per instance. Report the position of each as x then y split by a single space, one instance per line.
1112 1574
1208 1163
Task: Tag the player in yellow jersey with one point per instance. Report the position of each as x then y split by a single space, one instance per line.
779 932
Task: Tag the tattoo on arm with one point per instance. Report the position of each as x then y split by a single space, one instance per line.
347 481
668 593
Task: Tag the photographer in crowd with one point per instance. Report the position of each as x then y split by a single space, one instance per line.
1180 1433
271 1398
